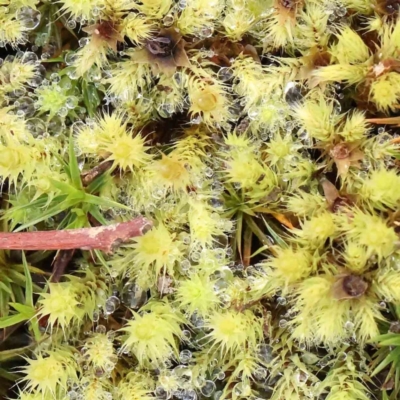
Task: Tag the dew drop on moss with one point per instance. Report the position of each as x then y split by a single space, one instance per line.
29 18
168 20
349 326
264 352
100 329
185 356
208 388
72 395
189 395
112 304
161 393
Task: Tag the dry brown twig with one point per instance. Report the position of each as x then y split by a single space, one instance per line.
91 175
105 238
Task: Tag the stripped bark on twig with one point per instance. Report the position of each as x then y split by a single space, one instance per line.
105 238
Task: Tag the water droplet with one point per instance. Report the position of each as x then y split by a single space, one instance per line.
111 336
83 41
29 17
293 93
225 74
96 316
168 20
196 120
177 393
260 374
182 4
72 74
185 265
71 24
62 112
206 31
264 353
395 327
55 78
342 356
71 102
111 305
161 393
241 389
189 395
281 300
77 126
94 74
381 130
25 107
29 58
109 366
186 334
37 79
134 296
253 113
341 11
166 110
301 377
283 323
183 373
301 346
100 329
209 172
289 126
349 326
70 58
221 375
225 300
195 256
197 320
185 356
218 395
208 388
72 395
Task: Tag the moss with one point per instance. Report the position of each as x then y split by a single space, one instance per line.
260 138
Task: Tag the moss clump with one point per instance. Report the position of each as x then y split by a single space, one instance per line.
260 138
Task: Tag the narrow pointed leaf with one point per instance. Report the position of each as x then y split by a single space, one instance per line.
75 173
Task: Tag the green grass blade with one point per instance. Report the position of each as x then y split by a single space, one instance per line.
395 354
28 282
56 209
13 353
98 183
275 236
95 212
5 322
99 201
75 173
6 288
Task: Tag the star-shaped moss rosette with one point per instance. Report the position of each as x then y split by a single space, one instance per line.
346 156
165 52
105 32
372 67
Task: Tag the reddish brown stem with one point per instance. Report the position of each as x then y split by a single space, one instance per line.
61 261
104 238
91 175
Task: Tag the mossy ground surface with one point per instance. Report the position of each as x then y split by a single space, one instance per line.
259 139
